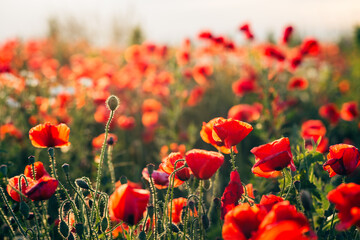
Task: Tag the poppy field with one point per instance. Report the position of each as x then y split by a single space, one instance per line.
213 139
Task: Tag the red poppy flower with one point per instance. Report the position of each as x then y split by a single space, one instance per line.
39 170
243 86
284 222
342 159
268 201
151 105
10 129
349 111
297 83
205 35
250 190
272 157
160 178
287 33
196 95
230 131
49 135
242 222
14 183
330 112
128 203
245 112
43 189
177 207
232 194
245 28
201 73
126 123
310 46
346 198
150 119
167 165
204 163
312 130
273 52
295 62
206 135
344 86
98 141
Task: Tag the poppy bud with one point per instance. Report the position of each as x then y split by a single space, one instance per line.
31 159
65 167
64 229
191 205
142 235
12 220
90 203
112 102
79 227
150 168
82 184
51 152
3 170
306 200
104 224
110 141
174 228
123 180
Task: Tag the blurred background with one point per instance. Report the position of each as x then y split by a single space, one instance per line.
162 21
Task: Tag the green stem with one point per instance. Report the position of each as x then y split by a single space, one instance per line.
53 170
153 190
232 160
200 207
111 166
283 188
98 178
12 212
83 201
6 220
332 224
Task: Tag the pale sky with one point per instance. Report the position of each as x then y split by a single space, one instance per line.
169 21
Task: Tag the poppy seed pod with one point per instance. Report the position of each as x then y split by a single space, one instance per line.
112 102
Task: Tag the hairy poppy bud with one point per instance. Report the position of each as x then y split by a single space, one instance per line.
142 235
51 152
104 224
65 167
3 170
81 183
112 102
174 228
191 205
79 227
31 159
150 168
110 141
64 229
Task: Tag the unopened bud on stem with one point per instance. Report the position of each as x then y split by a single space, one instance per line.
112 102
